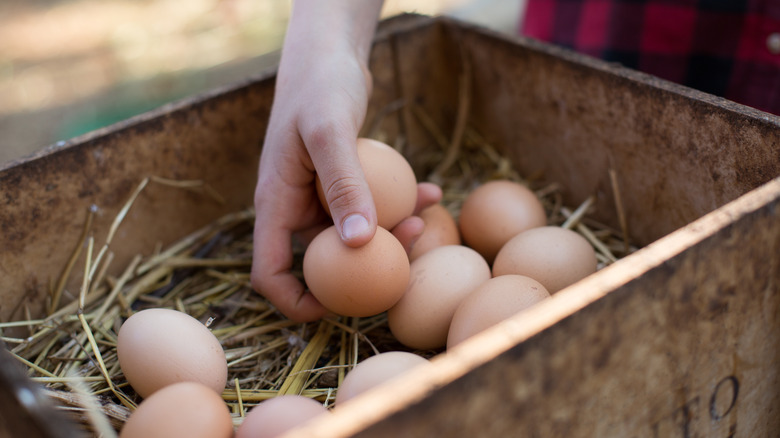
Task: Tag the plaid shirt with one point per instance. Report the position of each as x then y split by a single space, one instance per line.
729 48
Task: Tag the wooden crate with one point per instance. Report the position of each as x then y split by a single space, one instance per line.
681 338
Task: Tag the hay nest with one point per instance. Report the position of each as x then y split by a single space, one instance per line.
72 351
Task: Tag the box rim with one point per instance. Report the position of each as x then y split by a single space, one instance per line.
374 405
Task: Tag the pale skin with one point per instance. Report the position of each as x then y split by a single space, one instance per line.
322 90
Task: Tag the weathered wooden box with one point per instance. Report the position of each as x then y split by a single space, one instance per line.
681 338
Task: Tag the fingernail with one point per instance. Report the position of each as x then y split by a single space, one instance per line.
354 226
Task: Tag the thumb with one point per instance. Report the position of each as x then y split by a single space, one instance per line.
344 188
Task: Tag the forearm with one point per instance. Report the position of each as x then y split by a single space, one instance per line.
324 26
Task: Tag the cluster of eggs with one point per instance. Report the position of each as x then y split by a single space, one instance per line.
178 366
461 277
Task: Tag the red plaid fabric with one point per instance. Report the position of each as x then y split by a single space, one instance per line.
729 48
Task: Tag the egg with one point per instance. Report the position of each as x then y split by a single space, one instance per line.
554 256
185 409
439 280
495 212
361 281
390 178
159 347
376 370
494 301
440 229
275 416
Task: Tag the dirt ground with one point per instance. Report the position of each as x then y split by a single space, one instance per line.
70 66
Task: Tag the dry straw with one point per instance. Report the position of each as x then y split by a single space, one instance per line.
206 274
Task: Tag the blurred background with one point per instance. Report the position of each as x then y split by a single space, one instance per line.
70 66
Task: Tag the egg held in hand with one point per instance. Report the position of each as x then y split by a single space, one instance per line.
185 409
495 212
390 178
159 347
494 301
361 281
554 256
275 416
440 279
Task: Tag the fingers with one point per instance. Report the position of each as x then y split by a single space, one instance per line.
272 261
334 154
427 195
286 293
271 275
408 231
284 203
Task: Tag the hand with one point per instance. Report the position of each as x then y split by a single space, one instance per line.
284 208
409 230
318 108
273 256
320 103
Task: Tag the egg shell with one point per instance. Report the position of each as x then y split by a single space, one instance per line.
361 281
375 371
159 347
390 178
275 416
185 409
554 256
494 301
440 279
440 229
495 212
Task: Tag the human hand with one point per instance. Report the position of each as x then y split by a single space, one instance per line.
320 103
282 288
318 108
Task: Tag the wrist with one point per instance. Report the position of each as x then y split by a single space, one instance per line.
336 27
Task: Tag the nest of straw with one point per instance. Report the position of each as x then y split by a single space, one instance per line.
72 351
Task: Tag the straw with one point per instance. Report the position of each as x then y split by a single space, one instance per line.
95 415
295 381
207 275
57 293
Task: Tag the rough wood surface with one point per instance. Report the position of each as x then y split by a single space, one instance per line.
678 153
44 201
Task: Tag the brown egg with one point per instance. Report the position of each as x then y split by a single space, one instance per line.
153 353
376 370
553 256
275 416
440 229
360 281
440 279
494 301
391 180
183 409
495 212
